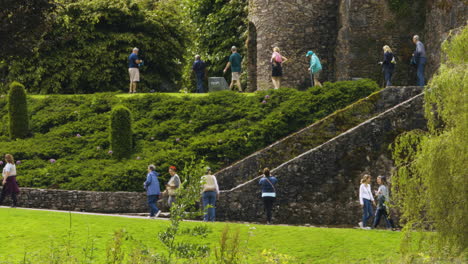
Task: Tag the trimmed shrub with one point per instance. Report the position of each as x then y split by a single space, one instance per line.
18 111
121 132
167 130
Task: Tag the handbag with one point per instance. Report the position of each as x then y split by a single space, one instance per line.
274 189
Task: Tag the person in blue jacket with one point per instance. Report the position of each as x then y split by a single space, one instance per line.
315 68
268 182
152 190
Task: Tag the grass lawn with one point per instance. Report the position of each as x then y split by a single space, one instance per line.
39 232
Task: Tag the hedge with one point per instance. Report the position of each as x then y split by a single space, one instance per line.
18 111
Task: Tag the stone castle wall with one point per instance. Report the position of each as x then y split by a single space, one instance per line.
348 36
313 135
295 27
321 186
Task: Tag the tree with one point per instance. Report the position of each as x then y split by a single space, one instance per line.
430 181
88 47
121 136
22 23
18 111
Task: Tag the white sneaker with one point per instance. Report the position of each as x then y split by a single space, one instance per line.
361 225
150 217
157 214
367 228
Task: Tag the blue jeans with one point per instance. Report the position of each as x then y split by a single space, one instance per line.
388 77
421 63
379 213
367 211
209 198
200 86
152 199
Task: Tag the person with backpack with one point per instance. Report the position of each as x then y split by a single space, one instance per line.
153 191
382 200
210 193
365 199
315 68
277 67
388 65
267 183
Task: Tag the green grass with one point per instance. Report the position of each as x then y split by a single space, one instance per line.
37 232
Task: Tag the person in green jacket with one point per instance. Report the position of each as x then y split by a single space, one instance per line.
315 68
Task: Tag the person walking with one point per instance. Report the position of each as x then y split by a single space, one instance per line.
133 69
388 65
267 183
419 58
172 186
10 185
382 200
315 68
210 193
152 190
199 68
365 199
235 61
277 67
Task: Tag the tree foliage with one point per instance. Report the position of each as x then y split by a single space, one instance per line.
18 111
88 47
22 23
430 180
218 25
121 136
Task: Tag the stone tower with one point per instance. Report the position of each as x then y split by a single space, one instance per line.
295 26
347 36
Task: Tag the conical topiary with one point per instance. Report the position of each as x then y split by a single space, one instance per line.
18 111
121 132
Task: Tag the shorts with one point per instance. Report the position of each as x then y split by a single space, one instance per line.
134 74
236 76
317 74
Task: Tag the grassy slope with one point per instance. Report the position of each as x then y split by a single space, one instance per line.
36 231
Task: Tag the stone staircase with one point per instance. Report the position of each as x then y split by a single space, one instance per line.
319 167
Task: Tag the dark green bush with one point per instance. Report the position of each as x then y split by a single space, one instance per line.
121 132
18 111
87 48
167 130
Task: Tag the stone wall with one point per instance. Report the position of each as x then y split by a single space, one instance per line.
442 16
365 26
348 36
87 201
313 135
295 26
321 186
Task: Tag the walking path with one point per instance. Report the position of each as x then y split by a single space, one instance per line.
165 217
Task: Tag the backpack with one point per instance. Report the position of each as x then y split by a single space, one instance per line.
278 58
